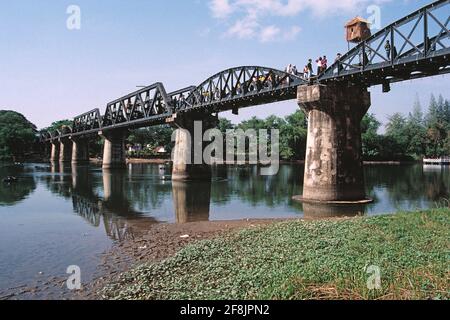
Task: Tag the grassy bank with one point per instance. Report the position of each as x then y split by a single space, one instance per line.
306 260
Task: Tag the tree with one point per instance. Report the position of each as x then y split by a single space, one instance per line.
433 116
416 132
224 125
57 125
370 139
254 123
438 126
293 135
153 136
396 129
17 135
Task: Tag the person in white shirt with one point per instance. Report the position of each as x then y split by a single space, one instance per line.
319 66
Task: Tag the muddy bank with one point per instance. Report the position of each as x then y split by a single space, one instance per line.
157 243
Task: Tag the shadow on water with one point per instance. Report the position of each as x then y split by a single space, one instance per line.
13 193
325 211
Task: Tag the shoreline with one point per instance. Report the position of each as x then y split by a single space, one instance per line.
297 260
165 242
168 161
160 241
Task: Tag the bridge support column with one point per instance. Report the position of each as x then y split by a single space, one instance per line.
65 150
80 151
334 168
54 155
188 162
114 154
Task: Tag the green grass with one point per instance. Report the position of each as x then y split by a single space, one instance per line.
305 260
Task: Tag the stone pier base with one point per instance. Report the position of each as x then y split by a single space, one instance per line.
334 167
80 151
188 162
114 153
54 155
65 150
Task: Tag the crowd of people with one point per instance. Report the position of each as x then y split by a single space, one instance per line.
308 71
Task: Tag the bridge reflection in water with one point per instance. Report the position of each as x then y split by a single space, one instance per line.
129 202
109 205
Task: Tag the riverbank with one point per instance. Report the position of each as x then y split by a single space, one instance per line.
154 243
165 161
304 260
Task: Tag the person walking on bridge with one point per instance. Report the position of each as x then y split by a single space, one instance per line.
310 68
388 48
306 73
294 70
319 66
324 63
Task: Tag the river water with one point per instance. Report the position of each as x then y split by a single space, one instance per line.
56 216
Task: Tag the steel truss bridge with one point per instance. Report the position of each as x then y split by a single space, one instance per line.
420 47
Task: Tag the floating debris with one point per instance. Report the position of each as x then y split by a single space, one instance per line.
10 180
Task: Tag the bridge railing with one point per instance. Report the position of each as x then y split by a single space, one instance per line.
419 36
237 85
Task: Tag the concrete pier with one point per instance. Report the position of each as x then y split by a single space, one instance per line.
188 162
54 155
114 153
80 151
334 167
65 150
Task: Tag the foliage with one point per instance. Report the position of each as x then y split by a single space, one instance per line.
57 125
17 135
153 137
305 260
224 125
415 136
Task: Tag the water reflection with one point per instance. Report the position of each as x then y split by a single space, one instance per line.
14 193
38 211
110 208
314 211
125 202
413 184
191 201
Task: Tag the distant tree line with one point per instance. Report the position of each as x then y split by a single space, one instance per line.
18 136
413 137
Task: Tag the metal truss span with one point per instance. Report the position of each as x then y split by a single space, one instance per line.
419 46
241 87
415 46
227 90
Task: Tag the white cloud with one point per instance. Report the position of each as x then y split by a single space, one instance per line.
243 29
269 33
220 8
245 16
292 33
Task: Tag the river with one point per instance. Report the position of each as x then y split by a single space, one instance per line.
56 216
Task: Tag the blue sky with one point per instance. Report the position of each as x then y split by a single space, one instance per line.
49 72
